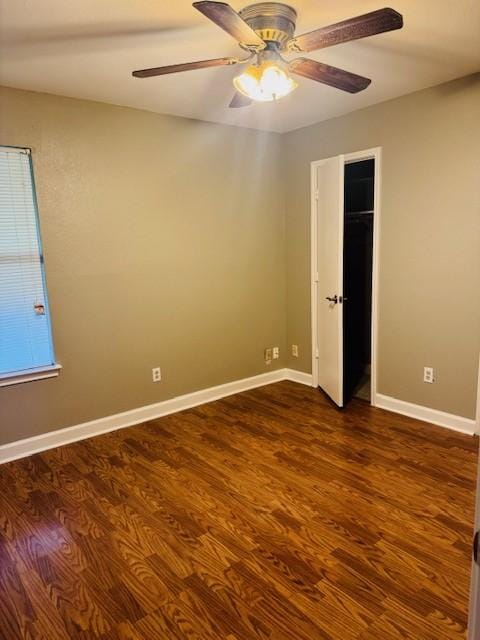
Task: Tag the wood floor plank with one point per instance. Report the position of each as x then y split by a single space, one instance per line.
269 515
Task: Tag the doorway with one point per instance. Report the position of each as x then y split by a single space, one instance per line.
345 224
359 188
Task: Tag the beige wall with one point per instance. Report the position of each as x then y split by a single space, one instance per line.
164 245
167 243
429 296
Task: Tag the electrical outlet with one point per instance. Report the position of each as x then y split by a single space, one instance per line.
276 353
295 350
428 374
156 374
267 354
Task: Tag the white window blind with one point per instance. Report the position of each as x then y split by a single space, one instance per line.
25 335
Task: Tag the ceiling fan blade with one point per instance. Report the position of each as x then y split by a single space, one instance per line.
187 66
363 26
239 100
227 19
333 76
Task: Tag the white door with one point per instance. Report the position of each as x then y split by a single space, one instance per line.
474 621
329 184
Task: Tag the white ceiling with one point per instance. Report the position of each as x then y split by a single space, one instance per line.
88 48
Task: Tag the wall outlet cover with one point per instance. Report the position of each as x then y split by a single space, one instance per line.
276 353
267 355
428 375
295 350
156 374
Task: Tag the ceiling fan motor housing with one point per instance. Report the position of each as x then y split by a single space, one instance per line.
273 21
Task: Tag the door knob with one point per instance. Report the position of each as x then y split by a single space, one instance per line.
333 299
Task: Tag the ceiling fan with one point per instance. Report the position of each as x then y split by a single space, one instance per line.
265 31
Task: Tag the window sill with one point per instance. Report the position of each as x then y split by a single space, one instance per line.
17 377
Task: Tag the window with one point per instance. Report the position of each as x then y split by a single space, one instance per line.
26 348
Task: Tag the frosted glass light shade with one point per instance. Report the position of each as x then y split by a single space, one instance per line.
264 83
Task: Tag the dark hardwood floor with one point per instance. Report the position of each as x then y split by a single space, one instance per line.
266 515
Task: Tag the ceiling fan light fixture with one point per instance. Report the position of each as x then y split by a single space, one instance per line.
265 82
267 30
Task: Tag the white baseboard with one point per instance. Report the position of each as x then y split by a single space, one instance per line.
36 444
449 420
29 446
299 376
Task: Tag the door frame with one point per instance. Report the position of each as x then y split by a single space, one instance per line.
374 153
473 632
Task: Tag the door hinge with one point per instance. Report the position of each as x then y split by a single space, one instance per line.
316 277
316 194
317 353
